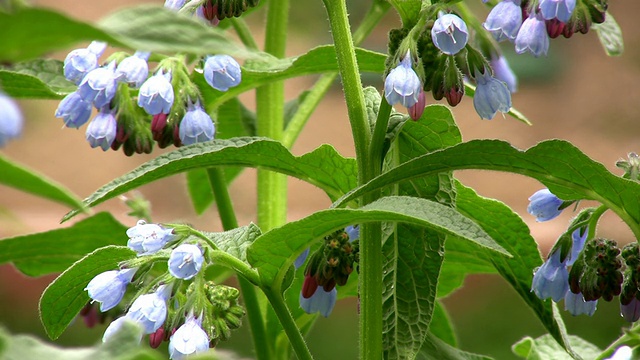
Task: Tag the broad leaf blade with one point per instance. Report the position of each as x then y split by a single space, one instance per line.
323 167
461 259
275 251
610 36
36 79
546 348
65 296
235 242
55 250
436 349
21 178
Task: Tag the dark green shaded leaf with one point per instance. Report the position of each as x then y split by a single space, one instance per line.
55 250
18 177
546 348
65 296
36 79
274 252
441 326
461 259
610 36
436 349
323 167
409 11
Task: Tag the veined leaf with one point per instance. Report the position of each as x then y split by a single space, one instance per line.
545 348
36 79
323 167
610 36
55 250
235 242
65 296
21 178
274 252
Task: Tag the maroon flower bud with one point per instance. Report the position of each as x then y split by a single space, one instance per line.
555 27
416 110
90 315
309 286
157 338
454 96
158 124
329 285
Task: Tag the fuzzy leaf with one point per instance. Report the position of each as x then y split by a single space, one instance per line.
610 36
36 79
235 242
546 348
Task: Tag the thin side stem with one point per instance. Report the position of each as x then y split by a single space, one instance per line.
249 295
289 324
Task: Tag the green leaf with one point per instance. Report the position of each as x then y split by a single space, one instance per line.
55 250
235 242
21 178
274 252
32 32
461 259
65 296
546 348
610 36
257 72
436 349
441 326
36 79
409 11
323 167
158 29
199 189
563 168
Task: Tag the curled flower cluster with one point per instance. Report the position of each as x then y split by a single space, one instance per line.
161 303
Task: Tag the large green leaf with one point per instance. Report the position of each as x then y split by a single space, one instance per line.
65 296
323 167
55 250
436 349
409 11
610 36
546 348
559 165
40 79
461 259
274 252
21 178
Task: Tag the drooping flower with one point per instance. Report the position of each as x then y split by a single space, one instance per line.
80 62
134 69
551 280
321 301
222 72
150 310
188 339
557 9
576 305
502 71
74 111
533 36
544 205
11 120
102 129
579 236
147 239
492 95
631 311
99 86
156 94
402 85
450 34
504 20
196 126
185 261
109 287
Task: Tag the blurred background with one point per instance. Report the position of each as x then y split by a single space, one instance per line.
576 93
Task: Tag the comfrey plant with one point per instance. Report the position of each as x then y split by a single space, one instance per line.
172 75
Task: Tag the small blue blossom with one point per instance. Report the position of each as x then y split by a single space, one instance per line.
222 72
102 129
109 287
504 20
551 280
301 258
185 261
174 4
134 69
99 86
321 301
402 85
150 310
503 72
557 9
492 95
450 34
579 236
353 231
146 239
74 111
544 205
188 339
631 311
533 36
156 94
196 126
622 353
116 325
11 121
576 305
80 62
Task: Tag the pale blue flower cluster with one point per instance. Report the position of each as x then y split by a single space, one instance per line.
147 239
450 34
222 72
402 85
189 339
492 95
109 287
11 120
185 261
196 126
544 205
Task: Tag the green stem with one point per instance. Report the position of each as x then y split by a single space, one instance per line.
379 133
251 301
288 324
244 33
322 85
371 234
